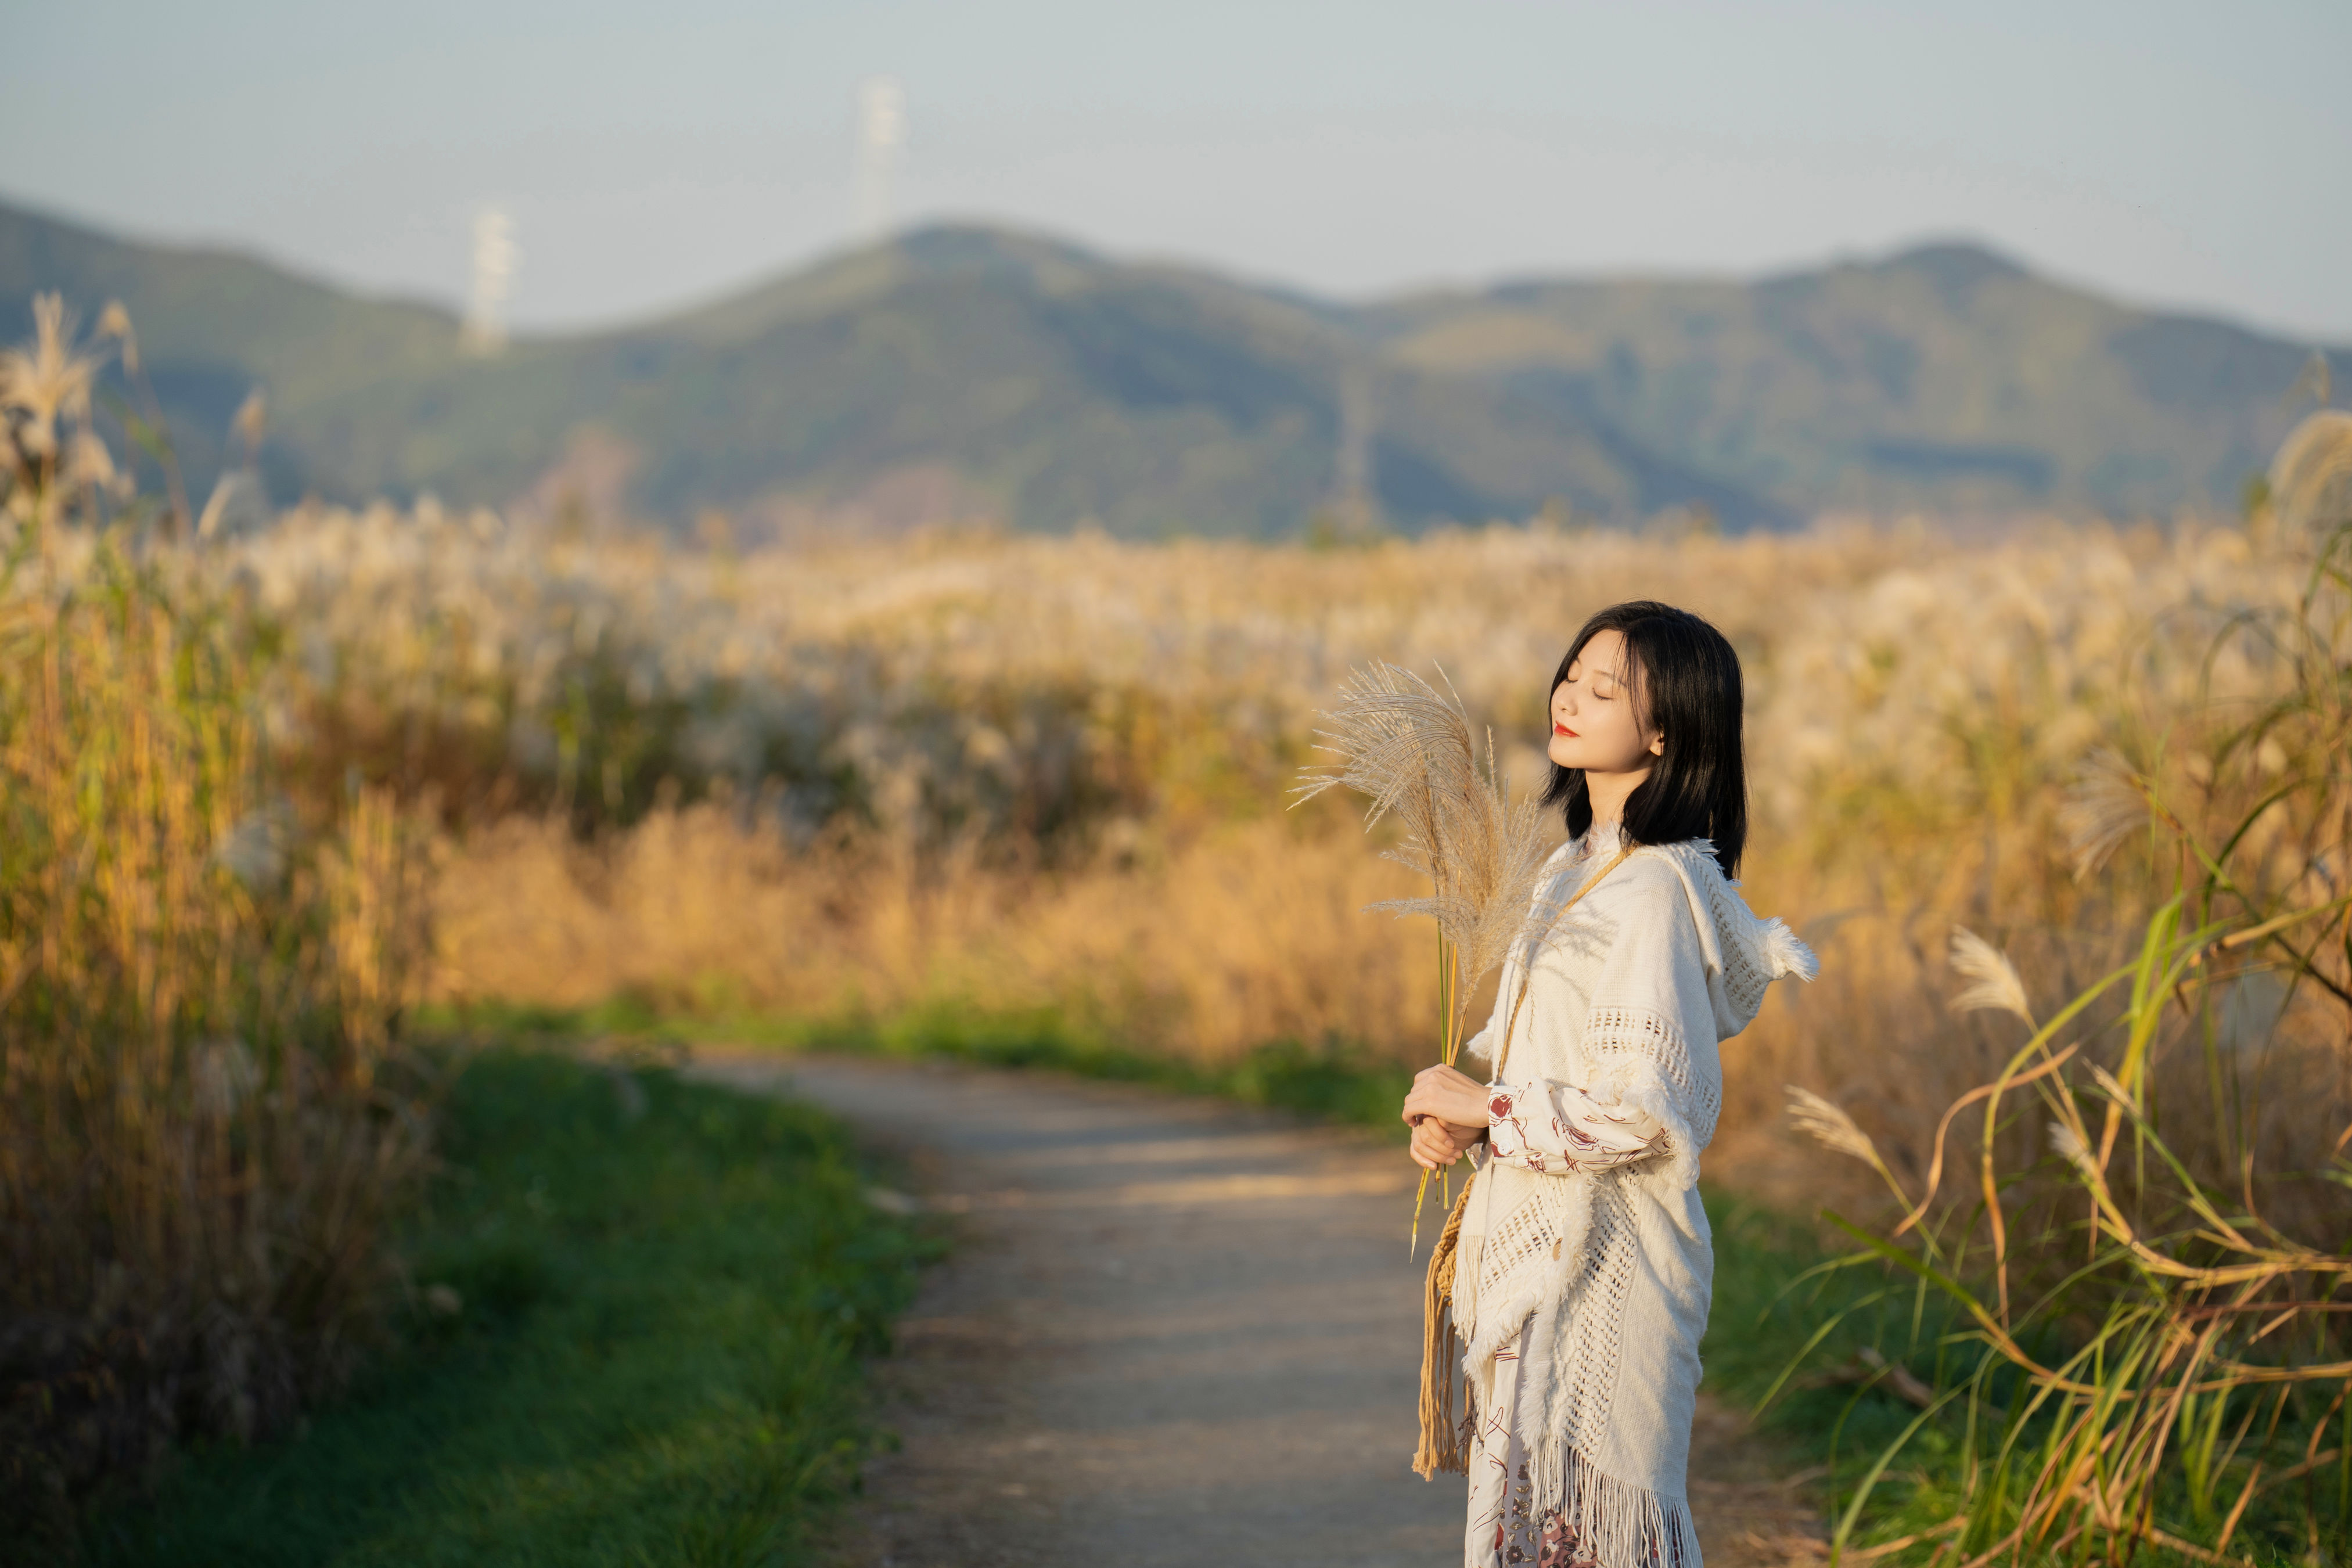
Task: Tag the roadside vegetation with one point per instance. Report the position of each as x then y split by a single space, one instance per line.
206 1122
336 1288
631 1332
2142 1259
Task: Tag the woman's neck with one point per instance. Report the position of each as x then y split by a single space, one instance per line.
1609 792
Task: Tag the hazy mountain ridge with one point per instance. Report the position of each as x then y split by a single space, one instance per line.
1944 376
964 371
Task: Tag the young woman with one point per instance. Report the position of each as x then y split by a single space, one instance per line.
1583 1265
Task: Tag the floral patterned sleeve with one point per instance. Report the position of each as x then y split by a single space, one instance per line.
1558 1128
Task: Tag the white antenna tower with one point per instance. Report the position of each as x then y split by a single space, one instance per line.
881 134
495 255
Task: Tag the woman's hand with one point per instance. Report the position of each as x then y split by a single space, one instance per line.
1447 1110
1449 1095
1437 1144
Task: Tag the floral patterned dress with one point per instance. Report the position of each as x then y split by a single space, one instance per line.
1545 1129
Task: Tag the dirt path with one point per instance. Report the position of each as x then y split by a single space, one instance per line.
1172 1332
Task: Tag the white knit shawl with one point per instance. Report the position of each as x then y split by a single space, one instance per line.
1605 1276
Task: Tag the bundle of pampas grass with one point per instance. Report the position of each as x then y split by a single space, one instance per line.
1409 748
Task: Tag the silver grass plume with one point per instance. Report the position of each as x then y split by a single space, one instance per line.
259 847
1830 1125
1993 981
2311 478
2102 810
2070 1147
1409 747
2113 1087
47 381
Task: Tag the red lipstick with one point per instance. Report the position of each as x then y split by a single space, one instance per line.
1559 728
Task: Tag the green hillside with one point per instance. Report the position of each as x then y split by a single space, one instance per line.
211 326
963 372
1944 378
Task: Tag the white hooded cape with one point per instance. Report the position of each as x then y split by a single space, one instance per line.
1603 1277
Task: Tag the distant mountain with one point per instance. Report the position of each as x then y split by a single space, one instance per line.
963 372
1945 377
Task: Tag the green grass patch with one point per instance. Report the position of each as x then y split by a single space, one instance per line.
1816 1348
1332 1080
662 1292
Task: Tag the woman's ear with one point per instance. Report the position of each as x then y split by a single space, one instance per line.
1657 745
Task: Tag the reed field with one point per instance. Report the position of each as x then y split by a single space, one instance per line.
2062 806
1008 774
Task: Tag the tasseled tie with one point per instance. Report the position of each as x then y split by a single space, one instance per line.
1445 1442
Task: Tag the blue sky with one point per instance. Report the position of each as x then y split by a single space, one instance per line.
2190 155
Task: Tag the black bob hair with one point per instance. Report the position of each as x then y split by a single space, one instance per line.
1685 682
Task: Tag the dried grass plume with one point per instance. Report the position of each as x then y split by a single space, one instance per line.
2311 478
1409 748
47 381
1828 1124
1992 981
2104 809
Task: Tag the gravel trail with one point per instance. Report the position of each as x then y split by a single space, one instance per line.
1172 1331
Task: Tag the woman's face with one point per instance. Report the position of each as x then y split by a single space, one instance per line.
1593 724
